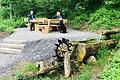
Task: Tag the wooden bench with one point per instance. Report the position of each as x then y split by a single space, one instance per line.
49 24
36 21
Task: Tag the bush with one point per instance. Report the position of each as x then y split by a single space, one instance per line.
112 70
116 36
102 52
4 13
19 22
118 45
9 24
105 18
27 68
84 76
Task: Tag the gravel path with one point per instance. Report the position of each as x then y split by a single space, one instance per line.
26 35
39 46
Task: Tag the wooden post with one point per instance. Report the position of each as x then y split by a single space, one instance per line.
36 26
67 65
48 29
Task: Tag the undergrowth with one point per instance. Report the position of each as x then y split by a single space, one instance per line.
111 70
9 24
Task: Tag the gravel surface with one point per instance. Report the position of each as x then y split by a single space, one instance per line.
23 34
39 46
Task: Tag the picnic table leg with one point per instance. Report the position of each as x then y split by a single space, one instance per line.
36 27
46 30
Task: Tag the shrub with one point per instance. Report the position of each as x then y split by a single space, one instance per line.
4 13
86 75
9 24
22 74
118 45
102 52
116 36
19 23
112 70
105 18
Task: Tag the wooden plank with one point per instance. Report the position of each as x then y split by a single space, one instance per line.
54 25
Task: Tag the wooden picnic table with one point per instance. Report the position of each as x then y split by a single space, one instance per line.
45 25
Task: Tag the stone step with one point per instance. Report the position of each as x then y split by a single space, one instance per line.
14 41
14 46
9 51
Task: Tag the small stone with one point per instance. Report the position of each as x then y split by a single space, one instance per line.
91 60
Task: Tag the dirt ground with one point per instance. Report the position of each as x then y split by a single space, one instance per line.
4 34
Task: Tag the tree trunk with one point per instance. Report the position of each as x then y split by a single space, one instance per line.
10 6
0 3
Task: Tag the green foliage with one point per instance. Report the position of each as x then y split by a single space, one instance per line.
46 8
30 67
92 14
9 24
118 45
102 52
105 18
116 36
45 78
21 74
84 76
97 14
112 70
4 13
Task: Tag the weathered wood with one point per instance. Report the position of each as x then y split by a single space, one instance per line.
82 51
49 24
105 32
44 67
67 66
45 24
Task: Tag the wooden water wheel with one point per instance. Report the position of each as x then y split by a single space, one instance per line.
62 47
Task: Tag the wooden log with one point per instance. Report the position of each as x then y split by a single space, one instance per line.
82 51
107 33
104 32
44 67
67 65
